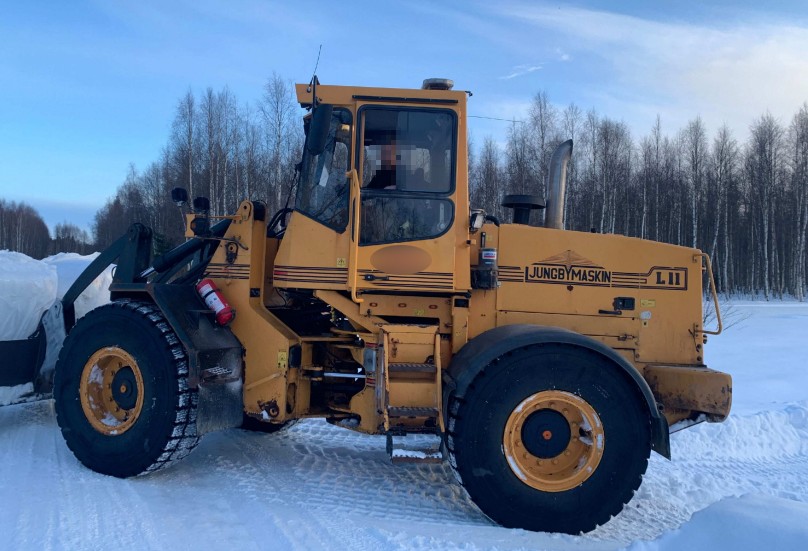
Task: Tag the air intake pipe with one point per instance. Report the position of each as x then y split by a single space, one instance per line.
554 215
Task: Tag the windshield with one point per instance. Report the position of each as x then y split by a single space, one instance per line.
323 189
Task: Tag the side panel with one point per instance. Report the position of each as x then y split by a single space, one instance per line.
311 256
647 294
22 359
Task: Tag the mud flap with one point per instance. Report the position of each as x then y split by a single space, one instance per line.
215 357
220 406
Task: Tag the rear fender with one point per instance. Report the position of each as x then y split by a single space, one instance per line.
483 349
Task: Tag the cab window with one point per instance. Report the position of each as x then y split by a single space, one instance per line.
408 173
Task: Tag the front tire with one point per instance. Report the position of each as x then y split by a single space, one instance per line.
550 438
121 390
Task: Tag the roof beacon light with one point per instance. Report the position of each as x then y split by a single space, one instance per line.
437 84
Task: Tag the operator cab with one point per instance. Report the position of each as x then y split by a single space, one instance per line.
379 189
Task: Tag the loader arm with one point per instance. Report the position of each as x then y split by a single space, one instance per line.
132 251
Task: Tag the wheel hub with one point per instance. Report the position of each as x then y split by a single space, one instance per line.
546 433
553 441
124 388
111 391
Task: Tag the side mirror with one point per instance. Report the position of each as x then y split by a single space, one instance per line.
179 196
318 129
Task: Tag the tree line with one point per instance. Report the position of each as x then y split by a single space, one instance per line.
219 149
22 229
744 203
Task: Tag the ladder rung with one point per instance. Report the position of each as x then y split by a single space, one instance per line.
412 368
411 412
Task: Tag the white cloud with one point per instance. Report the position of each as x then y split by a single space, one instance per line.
562 55
521 70
727 73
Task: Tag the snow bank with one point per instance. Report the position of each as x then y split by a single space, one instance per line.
69 266
751 522
28 290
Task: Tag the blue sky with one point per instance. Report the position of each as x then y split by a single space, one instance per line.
88 87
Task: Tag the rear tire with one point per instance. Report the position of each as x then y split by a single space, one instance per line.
550 438
121 391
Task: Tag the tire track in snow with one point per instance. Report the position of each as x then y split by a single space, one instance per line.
324 473
111 511
319 486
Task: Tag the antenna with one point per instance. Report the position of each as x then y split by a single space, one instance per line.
312 87
318 60
314 81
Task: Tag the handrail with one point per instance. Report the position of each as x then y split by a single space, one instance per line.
353 256
709 264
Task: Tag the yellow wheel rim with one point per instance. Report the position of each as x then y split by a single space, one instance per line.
111 391
553 441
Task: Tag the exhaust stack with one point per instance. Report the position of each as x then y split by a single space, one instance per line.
554 215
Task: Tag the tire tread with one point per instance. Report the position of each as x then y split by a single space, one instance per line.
183 435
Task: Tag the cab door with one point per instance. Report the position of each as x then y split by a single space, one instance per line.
410 226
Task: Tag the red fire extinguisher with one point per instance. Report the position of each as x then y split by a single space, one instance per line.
215 300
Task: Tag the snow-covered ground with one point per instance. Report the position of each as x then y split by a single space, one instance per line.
742 484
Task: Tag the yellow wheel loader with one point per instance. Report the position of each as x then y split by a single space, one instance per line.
544 364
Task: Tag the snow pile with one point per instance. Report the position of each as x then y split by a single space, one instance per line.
28 289
751 522
69 266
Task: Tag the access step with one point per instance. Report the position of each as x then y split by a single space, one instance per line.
422 448
411 412
425 369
